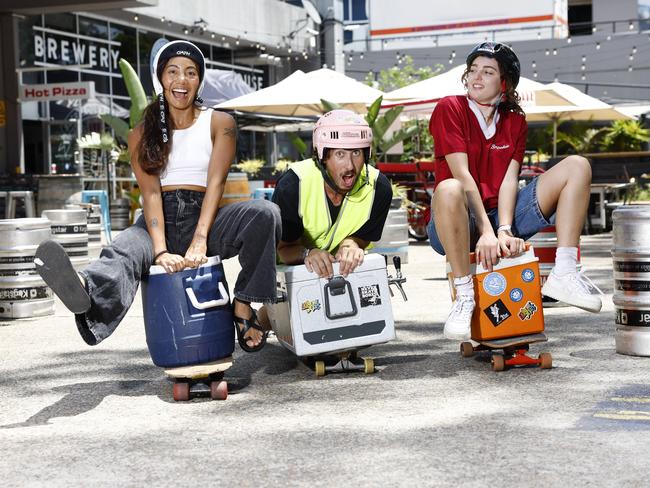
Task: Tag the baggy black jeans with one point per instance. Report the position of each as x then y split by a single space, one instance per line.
250 230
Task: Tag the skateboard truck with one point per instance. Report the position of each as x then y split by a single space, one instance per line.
348 361
398 280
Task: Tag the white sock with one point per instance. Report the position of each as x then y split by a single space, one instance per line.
464 286
566 260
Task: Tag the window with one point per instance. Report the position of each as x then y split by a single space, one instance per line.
354 10
93 28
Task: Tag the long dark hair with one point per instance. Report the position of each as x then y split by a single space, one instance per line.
153 152
512 99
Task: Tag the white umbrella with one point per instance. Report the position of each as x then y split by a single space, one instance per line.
301 94
579 106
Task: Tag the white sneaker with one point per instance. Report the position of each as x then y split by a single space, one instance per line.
573 289
457 325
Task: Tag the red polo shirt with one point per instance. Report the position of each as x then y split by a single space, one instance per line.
454 128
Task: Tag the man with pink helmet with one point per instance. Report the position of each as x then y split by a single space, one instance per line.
334 204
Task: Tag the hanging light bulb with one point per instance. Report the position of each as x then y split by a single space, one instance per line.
568 40
583 77
633 49
598 45
584 58
535 74
547 52
136 18
534 65
582 67
554 52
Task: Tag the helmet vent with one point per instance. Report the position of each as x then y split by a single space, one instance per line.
334 134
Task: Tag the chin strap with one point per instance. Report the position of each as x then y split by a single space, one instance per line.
330 182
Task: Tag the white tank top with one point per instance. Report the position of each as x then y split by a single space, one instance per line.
190 155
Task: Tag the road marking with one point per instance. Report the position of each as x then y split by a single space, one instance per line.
624 415
631 399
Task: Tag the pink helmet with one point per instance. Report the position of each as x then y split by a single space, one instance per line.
341 129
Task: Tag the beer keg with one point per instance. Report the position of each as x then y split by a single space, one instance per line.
95 227
120 210
395 235
70 229
22 291
631 263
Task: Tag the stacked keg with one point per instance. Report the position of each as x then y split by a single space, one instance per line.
631 256
120 209
70 229
395 235
95 227
22 291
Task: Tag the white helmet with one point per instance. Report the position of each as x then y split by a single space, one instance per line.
341 129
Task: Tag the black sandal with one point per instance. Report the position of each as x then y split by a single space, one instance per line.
54 266
249 324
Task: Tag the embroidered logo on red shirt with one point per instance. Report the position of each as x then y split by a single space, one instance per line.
504 146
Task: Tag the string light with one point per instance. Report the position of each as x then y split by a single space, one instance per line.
534 65
547 52
554 52
598 45
136 18
583 77
633 49
568 40
584 58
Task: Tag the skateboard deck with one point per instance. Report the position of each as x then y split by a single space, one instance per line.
204 379
513 341
515 351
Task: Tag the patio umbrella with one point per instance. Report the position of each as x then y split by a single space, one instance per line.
580 106
301 93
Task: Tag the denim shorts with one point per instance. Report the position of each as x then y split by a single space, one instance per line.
528 219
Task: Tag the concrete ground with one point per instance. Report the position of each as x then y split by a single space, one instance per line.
74 415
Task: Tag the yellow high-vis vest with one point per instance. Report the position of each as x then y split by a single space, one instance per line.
320 232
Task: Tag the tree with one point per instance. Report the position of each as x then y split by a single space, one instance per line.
625 135
419 139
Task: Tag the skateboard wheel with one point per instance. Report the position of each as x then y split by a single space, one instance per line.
181 392
498 362
545 360
368 365
466 349
319 368
218 390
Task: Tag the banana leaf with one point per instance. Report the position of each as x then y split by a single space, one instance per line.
136 92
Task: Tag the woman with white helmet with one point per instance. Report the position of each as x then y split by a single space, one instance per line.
334 204
180 154
479 141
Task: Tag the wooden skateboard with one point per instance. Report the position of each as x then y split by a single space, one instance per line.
514 349
200 380
348 361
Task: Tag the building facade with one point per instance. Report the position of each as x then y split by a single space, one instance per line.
42 115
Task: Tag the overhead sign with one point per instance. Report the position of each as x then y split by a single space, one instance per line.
57 91
65 49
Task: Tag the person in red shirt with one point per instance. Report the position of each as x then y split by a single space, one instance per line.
479 142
